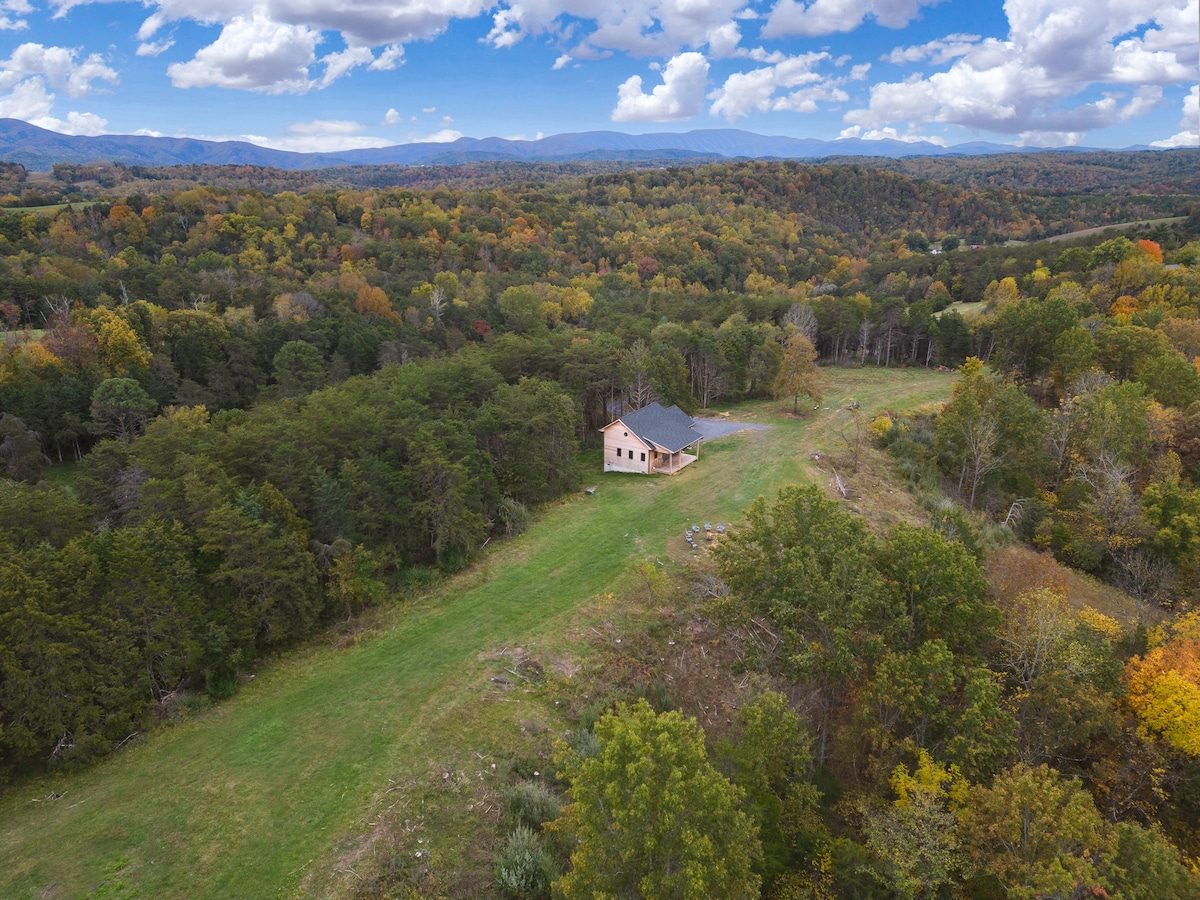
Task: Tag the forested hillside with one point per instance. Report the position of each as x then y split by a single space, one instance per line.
230 418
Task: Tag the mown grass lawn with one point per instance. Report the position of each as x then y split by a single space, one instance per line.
257 797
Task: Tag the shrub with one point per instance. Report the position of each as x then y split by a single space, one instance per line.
524 869
529 804
513 515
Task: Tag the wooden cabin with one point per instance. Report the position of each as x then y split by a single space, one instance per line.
651 440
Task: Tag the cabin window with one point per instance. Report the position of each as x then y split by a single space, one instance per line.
643 457
627 434
618 451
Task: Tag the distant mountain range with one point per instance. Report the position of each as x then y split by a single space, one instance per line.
38 149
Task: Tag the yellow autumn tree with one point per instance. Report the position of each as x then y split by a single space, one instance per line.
916 836
121 351
798 372
18 360
998 293
1164 685
576 303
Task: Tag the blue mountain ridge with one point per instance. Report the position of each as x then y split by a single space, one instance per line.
39 149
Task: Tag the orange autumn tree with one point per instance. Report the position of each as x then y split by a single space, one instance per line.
1164 685
373 303
1123 308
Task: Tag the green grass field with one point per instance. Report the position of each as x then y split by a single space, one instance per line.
262 795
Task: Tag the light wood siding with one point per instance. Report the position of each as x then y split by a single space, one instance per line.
617 436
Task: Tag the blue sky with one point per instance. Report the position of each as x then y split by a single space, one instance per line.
320 75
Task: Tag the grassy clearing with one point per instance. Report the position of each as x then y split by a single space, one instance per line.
48 208
969 311
275 791
1124 226
62 473
1088 591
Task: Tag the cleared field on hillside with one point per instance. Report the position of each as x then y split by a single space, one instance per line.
969 311
1124 226
261 796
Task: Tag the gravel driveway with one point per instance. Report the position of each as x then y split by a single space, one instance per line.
715 428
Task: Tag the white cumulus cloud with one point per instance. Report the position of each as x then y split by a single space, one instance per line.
636 27
1189 135
680 96
58 66
10 10
1065 67
939 52
391 57
1029 84
317 136
445 136
368 23
154 48
339 63
253 54
791 18
891 134
31 75
30 101
269 45
786 84
81 123
327 126
723 41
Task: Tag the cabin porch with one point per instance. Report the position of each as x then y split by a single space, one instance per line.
670 463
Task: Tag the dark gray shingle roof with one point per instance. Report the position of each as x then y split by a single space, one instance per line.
668 429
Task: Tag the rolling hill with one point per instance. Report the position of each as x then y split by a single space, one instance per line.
39 149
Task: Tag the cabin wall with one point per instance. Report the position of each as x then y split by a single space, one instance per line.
634 456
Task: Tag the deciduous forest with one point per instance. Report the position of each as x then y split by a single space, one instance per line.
239 408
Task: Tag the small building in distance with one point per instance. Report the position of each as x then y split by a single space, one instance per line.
651 440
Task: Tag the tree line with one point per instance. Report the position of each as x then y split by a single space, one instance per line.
207 541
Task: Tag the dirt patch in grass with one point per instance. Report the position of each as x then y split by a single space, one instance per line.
668 648
875 491
562 666
436 834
